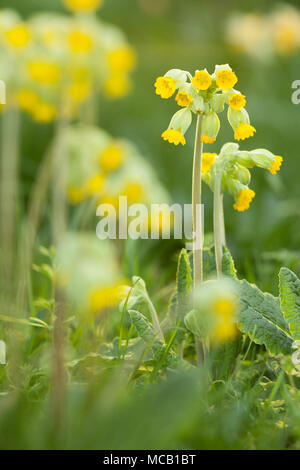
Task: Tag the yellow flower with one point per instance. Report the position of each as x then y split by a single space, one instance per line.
244 199
44 72
244 131
111 158
237 101
226 79
173 136
27 100
202 80
117 85
134 192
276 165
207 161
44 112
80 42
183 98
121 60
207 140
75 195
80 91
107 297
18 36
225 311
165 86
84 6
286 39
94 186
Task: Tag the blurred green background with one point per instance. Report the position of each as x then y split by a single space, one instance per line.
191 35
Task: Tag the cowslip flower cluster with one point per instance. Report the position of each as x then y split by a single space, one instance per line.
54 64
102 168
205 94
233 164
215 312
262 36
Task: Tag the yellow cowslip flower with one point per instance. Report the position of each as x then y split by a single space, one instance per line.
44 112
237 101
107 297
207 161
165 87
111 158
121 60
117 85
112 200
79 91
173 136
244 199
226 79
224 310
80 42
27 100
94 185
276 165
287 39
244 131
202 80
44 72
75 195
18 36
134 192
207 140
183 98
84 6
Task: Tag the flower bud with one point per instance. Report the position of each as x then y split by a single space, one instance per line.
181 120
217 103
210 127
237 117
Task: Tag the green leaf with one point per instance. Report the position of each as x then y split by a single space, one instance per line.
261 319
228 266
143 326
289 287
183 282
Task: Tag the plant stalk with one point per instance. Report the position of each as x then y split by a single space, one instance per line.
218 231
196 202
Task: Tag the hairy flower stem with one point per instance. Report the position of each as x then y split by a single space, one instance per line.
196 201
218 230
223 232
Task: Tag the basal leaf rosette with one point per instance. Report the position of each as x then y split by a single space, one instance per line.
204 94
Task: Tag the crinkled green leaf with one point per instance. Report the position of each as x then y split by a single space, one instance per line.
289 286
183 282
262 320
228 266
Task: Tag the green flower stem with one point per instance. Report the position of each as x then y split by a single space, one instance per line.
196 201
223 232
218 231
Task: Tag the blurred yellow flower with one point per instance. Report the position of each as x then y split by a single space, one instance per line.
225 310
134 192
80 90
207 161
84 6
44 72
207 140
75 195
173 136
226 79
117 85
183 98
244 131
237 101
107 297
18 36
80 42
244 199
165 87
276 165
94 186
111 158
27 100
121 60
202 80
44 112
286 39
